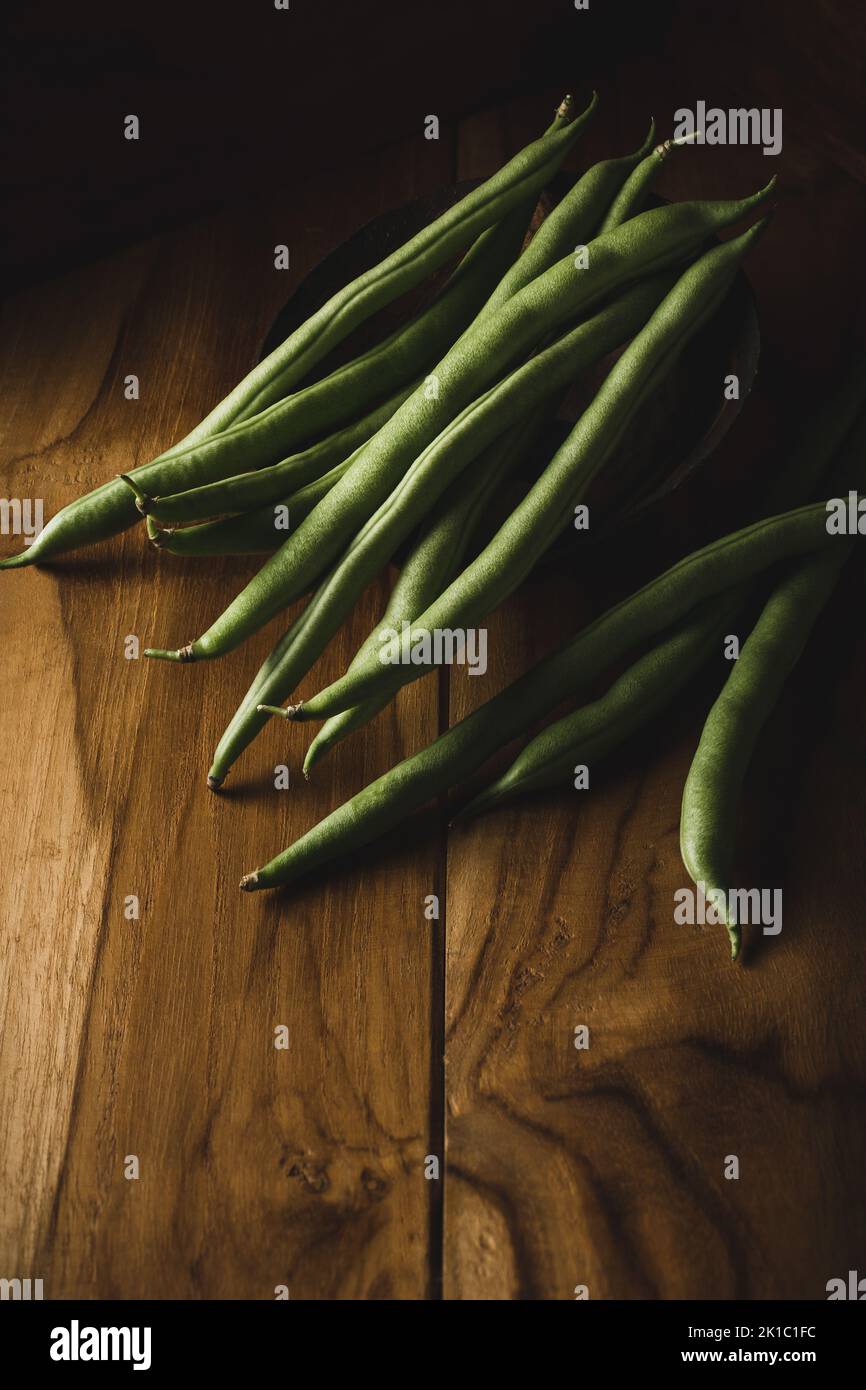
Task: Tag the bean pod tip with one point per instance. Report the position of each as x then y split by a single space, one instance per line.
13 562
183 654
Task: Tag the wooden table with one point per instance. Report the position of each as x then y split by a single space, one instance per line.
309 1166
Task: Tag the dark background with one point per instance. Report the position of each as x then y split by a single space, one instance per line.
237 98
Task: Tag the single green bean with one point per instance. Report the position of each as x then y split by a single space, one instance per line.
712 790
258 532
463 748
549 504
633 195
245 491
654 241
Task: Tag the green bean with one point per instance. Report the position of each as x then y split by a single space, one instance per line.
632 197
233 439
111 508
432 563
463 748
770 653
654 241
712 790
245 491
550 503
258 532
435 558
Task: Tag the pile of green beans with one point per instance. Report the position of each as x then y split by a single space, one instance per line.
547 508
836 435
259 420
653 241
462 749
434 560
412 441
477 426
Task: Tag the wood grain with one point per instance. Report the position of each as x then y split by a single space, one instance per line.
155 1037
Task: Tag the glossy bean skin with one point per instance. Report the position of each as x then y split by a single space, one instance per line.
477 427
549 505
571 670
257 427
246 491
657 240
712 791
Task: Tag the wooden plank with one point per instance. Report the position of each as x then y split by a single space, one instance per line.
155 1038
606 1167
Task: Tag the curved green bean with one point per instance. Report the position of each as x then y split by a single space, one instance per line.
632 197
245 491
712 790
770 653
